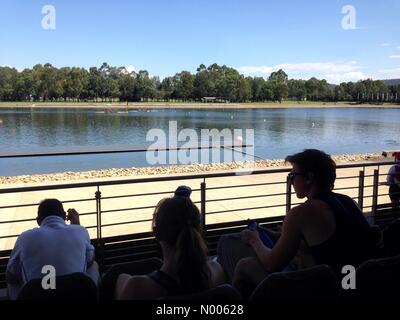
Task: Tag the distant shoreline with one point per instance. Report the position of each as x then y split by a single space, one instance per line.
185 105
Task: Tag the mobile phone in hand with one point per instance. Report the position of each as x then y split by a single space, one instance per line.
264 237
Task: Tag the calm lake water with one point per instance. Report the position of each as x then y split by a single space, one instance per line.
278 132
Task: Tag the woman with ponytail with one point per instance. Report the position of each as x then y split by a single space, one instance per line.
186 268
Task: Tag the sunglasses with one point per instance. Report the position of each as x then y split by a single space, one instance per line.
291 175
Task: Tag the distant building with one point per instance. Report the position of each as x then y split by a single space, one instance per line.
214 99
208 99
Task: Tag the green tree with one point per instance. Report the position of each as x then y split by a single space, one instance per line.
8 79
201 86
279 82
257 85
279 76
127 85
312 88
297 89
144 86
183 85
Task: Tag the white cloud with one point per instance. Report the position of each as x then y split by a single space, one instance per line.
396 56
254 69
398 47
130 68
385 44
389 73
334 72
354 76
303 67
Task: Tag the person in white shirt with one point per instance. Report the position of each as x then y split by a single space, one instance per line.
66 247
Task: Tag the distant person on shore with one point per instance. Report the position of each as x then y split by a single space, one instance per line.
186 268
331 225
393 180
65 247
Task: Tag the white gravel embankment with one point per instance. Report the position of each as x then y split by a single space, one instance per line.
176 169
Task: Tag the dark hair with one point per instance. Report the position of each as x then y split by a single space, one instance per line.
176 221
319 164
50 207
183 191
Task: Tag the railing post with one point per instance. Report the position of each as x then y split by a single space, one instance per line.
98 212
203 204
288 194
375 192
361 189
100 244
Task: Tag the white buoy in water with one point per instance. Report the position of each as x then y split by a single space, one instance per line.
238 140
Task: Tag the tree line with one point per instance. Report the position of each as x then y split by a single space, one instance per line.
212 83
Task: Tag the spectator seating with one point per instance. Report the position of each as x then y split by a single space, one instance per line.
75 286
141 267
224 292
391 239
315 283
378 279
385 214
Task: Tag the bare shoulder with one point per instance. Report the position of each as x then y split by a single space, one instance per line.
312 206
298 212
307 211
141 288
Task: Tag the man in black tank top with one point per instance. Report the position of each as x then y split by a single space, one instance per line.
352 242
331 225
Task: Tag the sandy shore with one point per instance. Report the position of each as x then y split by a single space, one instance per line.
168 170
165 105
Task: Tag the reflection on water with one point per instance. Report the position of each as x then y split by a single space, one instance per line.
278 132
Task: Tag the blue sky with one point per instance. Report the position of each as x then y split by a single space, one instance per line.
256 37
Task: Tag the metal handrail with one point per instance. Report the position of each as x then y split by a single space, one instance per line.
161 179
246 185
112 150
248 197
203 193
244 209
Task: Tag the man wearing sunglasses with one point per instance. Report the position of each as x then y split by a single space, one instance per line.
331 225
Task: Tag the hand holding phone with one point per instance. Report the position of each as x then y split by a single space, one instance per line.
73 216
264 237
